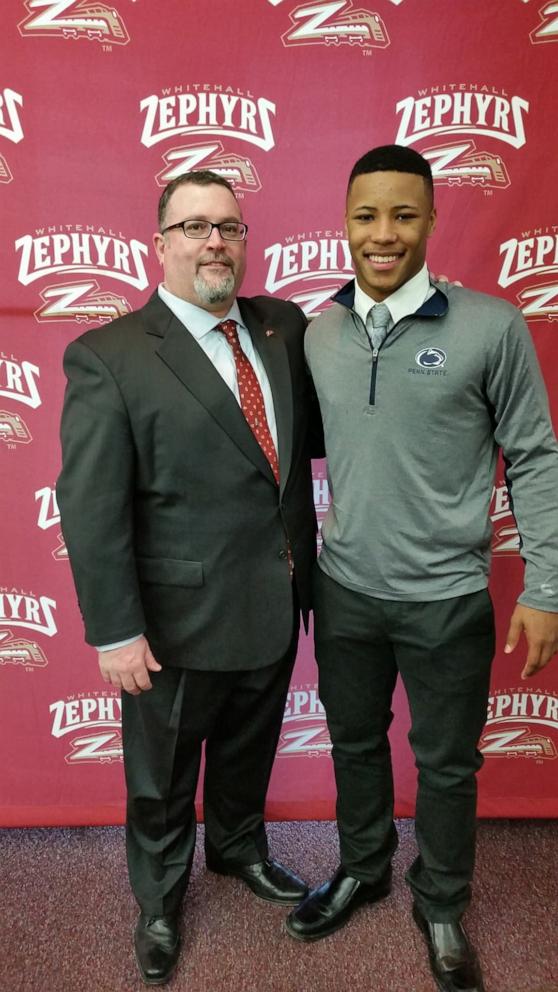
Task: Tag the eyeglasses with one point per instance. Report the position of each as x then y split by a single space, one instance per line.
230 230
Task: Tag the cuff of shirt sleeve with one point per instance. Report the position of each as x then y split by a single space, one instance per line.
118 644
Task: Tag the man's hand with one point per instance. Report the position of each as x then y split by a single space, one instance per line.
450 282
541 631
128 667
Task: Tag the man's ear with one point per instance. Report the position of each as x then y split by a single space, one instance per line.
432 223
159 246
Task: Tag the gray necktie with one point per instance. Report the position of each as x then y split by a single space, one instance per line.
380 318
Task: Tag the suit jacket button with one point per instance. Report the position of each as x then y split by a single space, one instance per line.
282 553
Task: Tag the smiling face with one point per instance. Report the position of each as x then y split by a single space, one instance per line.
389 218
206 272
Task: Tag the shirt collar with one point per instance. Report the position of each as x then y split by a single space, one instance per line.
197 320
407 299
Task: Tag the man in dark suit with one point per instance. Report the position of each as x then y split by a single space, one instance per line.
186 502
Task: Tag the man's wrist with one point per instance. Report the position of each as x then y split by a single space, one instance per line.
118 644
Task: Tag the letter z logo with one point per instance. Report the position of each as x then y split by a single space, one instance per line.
539 302
324 24
237 169
98 747
459 162
80 301
547 30
88 19
517 742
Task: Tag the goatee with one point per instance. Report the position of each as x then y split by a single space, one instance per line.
214 292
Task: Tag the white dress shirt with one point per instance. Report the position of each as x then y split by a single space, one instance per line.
201 325
406 300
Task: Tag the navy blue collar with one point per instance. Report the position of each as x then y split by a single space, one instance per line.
436 306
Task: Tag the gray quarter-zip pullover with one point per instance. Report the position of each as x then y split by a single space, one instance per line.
412 436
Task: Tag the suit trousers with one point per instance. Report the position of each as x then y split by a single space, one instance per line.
443 651
238 714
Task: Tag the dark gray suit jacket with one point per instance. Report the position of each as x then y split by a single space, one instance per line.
172 517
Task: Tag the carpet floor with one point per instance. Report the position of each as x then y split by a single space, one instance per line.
67 917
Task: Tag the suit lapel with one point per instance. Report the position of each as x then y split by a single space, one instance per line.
273 353
184 357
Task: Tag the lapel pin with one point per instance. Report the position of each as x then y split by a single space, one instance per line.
269 333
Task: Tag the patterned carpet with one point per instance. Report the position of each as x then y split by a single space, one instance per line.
67 918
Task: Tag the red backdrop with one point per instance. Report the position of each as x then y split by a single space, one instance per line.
99 107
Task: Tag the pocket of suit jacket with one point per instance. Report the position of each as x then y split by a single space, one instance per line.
170 571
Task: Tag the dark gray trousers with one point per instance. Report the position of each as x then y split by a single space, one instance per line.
239 716
443 651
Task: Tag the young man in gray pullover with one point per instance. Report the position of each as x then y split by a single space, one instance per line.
419 386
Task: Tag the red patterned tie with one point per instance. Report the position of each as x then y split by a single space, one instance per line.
251 396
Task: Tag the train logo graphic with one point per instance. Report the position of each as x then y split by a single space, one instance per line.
13 429
5 172
517 742
459 164
335 23
20 651
81 302
547 28
238 170
71 20
521 724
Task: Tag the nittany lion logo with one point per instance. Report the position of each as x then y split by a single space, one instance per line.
431 358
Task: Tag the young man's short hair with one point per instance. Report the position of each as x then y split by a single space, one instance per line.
393 158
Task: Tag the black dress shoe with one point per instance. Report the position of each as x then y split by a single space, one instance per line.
453 961
328 908
157 945
268 879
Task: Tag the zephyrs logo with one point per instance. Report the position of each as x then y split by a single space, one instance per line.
310 260
20 651
335 22
547 29
10 126
321 499
237 169
69 19
49 516
506 540
513 722
13 429
458 163
74 248
206 109
275 3
304 729
5 173
463 110
86 712
534 254
80 301
19 609
18 381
